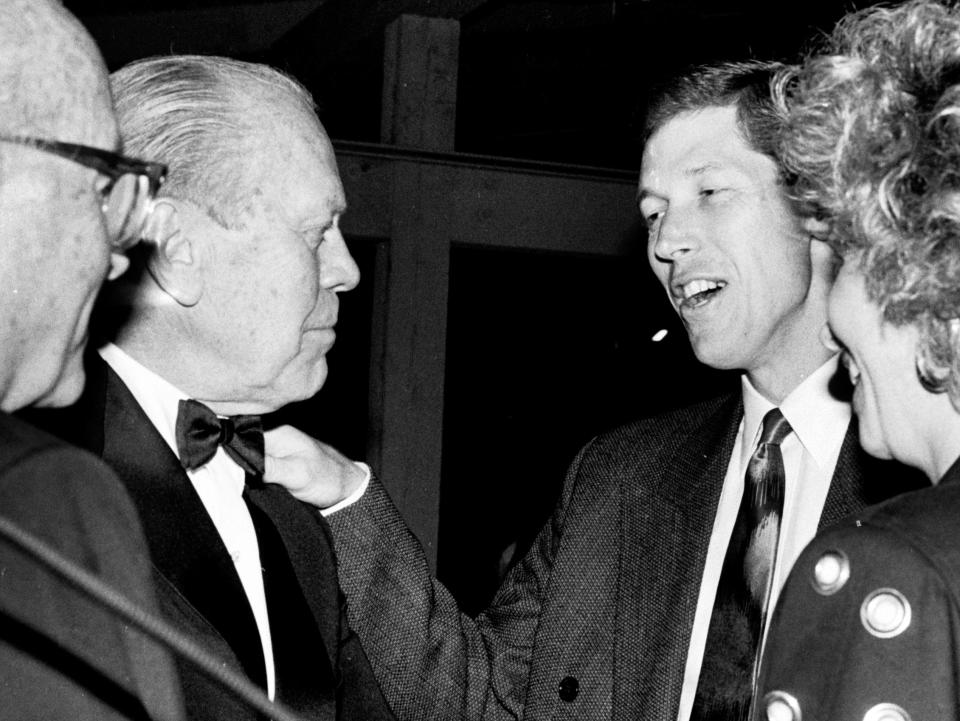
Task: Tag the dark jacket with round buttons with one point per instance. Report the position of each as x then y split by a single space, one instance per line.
869 619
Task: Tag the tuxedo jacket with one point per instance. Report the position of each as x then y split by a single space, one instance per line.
63 657
887 631
199 588
594 622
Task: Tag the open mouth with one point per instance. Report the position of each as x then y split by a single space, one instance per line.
699 292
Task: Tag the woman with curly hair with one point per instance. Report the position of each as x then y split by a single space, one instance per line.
868 625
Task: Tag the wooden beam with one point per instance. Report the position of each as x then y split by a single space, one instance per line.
339 29
417 206
420 62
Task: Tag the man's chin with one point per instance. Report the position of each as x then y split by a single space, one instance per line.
715 354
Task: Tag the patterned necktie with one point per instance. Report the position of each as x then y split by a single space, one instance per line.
725 688
200 431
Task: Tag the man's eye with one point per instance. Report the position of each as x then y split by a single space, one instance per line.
316 237
103 186
651 213
714 193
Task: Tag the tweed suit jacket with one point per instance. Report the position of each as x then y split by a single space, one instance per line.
62 657
199 588
837 653
594 622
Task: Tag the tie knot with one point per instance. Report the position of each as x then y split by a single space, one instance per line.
775 428
200 431
226 431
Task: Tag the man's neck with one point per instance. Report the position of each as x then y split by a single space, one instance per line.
776 383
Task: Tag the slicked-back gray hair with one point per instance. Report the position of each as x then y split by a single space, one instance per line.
199 115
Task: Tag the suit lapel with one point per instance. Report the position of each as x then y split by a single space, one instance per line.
860 480
184 544
669 531
846 494
311 560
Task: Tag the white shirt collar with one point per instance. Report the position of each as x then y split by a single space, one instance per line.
819 420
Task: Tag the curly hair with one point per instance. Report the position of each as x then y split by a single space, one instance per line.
872 141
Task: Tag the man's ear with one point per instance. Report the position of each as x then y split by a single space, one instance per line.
174 262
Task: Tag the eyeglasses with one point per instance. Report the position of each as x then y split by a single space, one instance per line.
126 202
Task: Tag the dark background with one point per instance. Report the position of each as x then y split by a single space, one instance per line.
544 350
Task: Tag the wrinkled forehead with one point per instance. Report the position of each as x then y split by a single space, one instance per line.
293 164
695 141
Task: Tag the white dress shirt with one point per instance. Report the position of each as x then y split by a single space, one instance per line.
819 423
219 484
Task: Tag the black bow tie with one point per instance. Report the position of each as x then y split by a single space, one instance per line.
200 431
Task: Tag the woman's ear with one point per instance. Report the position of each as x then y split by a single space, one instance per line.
174 262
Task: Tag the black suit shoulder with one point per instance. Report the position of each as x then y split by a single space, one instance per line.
62 656
42 472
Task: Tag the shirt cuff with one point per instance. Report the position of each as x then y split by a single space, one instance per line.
353 497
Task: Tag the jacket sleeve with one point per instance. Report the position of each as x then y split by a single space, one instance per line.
434 662
867 618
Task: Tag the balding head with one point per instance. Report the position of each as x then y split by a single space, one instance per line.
54 251
52 78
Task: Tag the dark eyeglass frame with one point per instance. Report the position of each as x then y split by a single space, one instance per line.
111 164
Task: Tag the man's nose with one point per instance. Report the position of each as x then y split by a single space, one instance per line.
338 269
675 235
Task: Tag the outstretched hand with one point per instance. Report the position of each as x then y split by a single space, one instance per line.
312 471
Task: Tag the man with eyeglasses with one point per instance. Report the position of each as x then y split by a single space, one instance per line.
229 314
69 206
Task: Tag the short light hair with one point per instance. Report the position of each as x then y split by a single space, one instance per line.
874 139
199 115
747 86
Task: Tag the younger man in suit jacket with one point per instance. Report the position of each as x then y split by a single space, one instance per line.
611 614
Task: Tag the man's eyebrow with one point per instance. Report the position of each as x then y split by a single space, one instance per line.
702 168
644 193
692 172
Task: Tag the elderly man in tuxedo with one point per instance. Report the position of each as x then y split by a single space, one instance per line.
69 206
646 594
229 315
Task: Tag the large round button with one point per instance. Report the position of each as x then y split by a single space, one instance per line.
831 572
885 613
781 706
569 688
886 712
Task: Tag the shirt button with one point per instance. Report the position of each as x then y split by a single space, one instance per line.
569 689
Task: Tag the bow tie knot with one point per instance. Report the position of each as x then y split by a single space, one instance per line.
200 432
